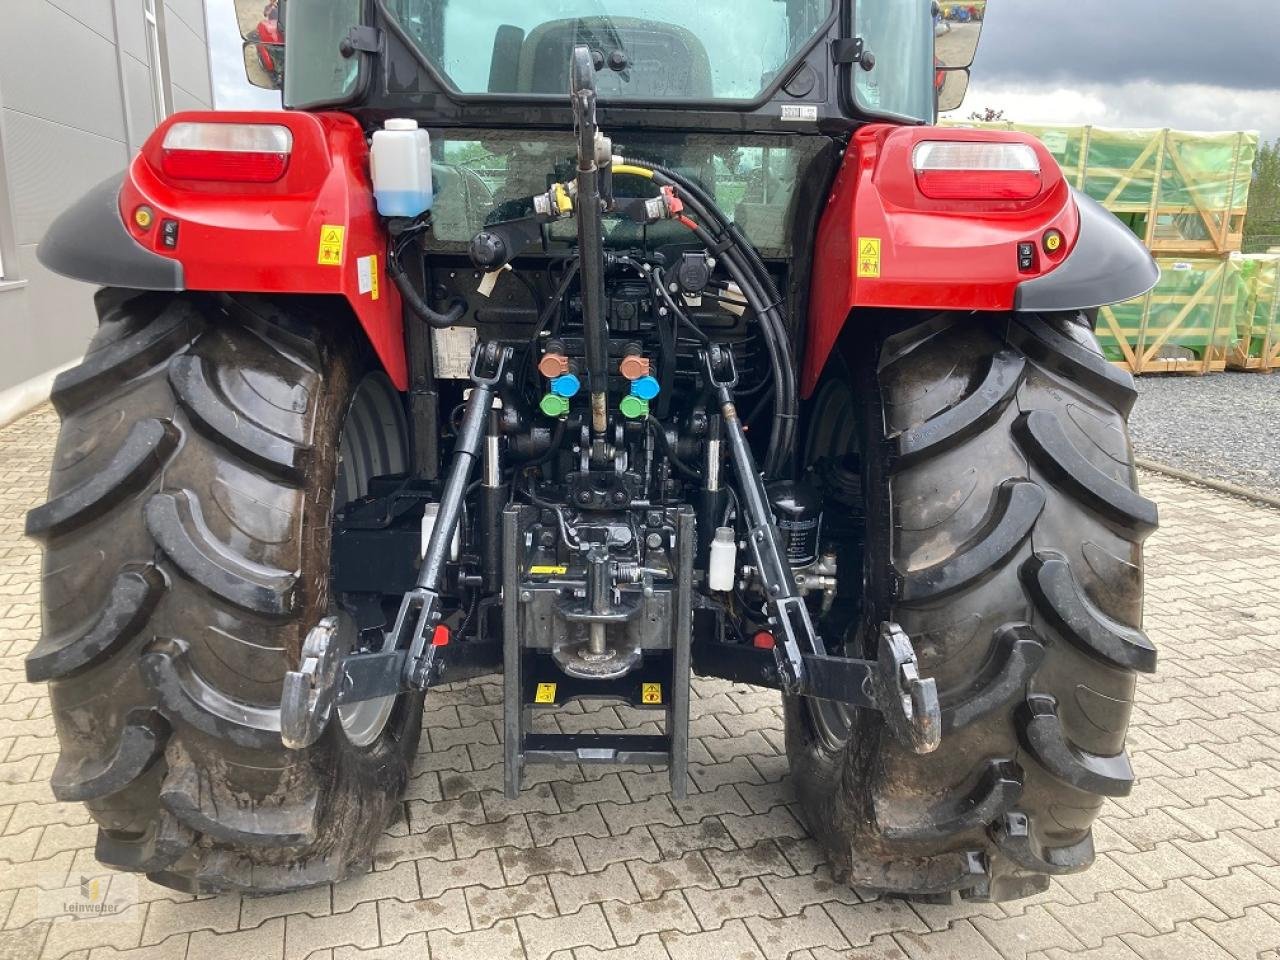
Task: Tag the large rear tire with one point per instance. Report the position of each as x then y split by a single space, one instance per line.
1004 535
187 540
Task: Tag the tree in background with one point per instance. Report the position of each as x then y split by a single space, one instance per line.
987 115
1262 226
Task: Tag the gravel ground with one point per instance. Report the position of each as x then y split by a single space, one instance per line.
1225 426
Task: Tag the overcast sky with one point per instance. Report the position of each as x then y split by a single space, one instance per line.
1188 64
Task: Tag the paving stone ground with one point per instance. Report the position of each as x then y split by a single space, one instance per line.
600 864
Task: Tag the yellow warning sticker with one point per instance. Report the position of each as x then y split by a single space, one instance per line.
869 257
546 693
548 571
331 237
650 693
367 276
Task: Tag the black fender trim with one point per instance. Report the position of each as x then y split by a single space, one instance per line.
1108 265
88 241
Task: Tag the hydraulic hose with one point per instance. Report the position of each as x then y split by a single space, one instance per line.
748 271
413 300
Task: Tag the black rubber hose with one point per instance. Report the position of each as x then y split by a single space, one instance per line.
690 472
777 354
744 262
440 321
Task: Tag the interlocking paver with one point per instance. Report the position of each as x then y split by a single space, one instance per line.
500 942
960 939
397 919
731 940
572 893
587 927
303 934
747 899
596 864
487 906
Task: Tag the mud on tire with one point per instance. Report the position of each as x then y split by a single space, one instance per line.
186 555
1004 535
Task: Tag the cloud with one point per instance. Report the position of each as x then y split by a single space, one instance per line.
1225 43
1185 64
1139 104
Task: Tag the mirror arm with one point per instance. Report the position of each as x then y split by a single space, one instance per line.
361 40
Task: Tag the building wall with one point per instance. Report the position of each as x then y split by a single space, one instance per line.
80 89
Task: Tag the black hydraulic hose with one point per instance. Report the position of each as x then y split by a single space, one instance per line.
413 300
656 426
548 311
779 446
753 278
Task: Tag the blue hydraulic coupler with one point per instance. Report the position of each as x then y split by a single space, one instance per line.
646 388
566 385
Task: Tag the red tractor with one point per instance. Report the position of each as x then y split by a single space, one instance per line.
598 350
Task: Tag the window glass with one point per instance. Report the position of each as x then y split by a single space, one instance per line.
899 34
316 72
663 49
482 177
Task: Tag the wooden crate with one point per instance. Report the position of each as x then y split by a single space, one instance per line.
1183 194
1256 345
1192 309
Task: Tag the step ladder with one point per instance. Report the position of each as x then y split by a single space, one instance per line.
533 680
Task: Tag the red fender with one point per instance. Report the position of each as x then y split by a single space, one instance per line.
882 244
308 232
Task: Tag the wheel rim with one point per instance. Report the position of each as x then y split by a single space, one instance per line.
832 434
372 444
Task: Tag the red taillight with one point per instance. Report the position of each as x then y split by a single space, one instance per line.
231 152
964 170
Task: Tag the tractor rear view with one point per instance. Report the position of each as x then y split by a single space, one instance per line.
600 349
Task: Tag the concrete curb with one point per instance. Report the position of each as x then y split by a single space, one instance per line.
1219 485
21 399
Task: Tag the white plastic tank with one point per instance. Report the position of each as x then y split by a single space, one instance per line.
400 160
722 566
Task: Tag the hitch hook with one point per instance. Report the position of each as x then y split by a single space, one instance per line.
909 703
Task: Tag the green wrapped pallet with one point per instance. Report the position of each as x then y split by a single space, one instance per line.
1184 325
1257 342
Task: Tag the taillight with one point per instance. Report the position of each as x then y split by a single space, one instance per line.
965 170
232 152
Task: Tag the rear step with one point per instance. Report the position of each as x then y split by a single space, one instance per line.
533 680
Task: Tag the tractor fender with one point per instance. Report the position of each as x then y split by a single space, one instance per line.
315 230
88 241
1108 265
883 244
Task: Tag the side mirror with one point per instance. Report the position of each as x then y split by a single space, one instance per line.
263 42
957 27
264 64
952 84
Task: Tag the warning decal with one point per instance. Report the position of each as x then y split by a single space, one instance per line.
546 693
651 693
331 237
869 257
547 570
367 276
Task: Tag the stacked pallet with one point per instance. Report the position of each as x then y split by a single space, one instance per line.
1185 195
1257 342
